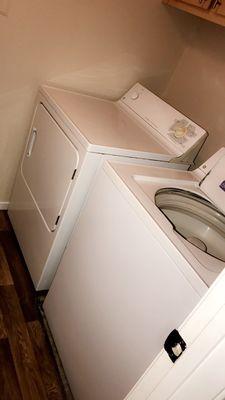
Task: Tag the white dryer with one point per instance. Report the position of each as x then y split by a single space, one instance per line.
70 136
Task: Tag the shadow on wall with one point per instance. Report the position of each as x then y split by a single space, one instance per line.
137 42
99 47
197 86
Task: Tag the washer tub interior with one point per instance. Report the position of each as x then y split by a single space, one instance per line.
195 219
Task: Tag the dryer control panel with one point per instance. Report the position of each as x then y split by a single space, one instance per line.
170 124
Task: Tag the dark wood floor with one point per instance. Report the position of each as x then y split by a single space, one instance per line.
27 367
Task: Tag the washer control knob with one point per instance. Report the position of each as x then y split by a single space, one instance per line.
180 132
134 95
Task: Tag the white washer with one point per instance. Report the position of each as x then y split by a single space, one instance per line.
70 136
122 284
127 278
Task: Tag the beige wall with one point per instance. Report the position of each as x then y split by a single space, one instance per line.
97 46
197 86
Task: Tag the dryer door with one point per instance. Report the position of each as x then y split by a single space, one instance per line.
48 166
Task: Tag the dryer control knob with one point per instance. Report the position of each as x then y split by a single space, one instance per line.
134 95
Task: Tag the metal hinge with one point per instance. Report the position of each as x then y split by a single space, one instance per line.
57 220
74 173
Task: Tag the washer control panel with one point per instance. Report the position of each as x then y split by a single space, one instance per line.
213 185
166 121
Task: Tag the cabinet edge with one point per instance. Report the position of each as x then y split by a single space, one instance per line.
209 15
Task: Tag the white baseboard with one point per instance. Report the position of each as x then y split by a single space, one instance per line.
4 205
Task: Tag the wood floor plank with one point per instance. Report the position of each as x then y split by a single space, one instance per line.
4 222
5 275
20 275
9 385
27 366
21 348
50 377
3 333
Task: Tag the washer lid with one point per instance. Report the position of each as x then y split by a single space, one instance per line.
213 185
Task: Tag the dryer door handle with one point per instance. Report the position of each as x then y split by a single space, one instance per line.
31 142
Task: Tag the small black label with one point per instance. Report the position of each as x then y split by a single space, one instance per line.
222 186
171 342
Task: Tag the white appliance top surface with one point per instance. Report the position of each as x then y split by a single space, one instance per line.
143 181
104 125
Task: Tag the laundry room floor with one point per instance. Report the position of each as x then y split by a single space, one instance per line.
27 367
